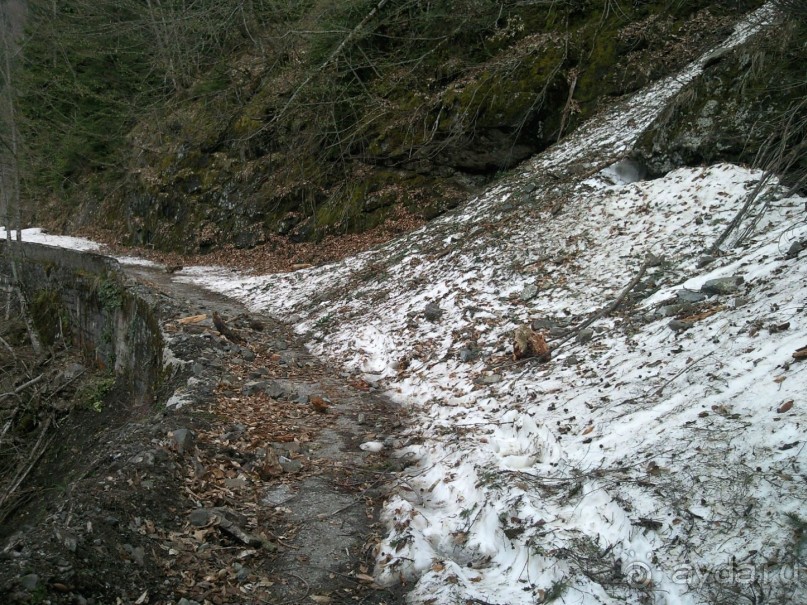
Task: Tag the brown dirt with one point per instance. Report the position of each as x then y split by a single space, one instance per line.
105 516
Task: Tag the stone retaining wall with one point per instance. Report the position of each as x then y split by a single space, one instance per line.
85 298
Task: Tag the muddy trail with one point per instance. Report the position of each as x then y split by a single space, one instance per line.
244 483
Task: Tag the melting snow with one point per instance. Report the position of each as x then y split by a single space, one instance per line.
643 463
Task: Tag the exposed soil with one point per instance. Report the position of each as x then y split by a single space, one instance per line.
266 499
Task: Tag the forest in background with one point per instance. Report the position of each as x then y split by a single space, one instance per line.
190 124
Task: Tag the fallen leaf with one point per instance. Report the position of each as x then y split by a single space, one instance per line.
785 407
588 429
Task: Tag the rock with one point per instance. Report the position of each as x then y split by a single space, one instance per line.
689 296
290 466
254 386
235 483
289 358
184 601
73 371
68 539
557 332
29 581
542 324
184 440
722 285
583 336
571 360
199 517
705 260
361 418
529 292
465 355
247 354
275 390
676 325
794 250
432 312
490 379
198 369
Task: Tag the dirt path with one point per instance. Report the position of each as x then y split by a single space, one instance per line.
243 483
320 511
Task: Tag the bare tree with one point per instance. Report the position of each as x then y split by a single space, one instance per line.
12 14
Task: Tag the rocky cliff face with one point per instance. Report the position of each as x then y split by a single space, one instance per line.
406 113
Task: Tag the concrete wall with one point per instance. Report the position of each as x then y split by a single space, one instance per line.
85 298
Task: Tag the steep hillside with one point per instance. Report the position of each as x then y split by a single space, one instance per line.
244 124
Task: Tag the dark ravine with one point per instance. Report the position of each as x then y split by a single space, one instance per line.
243 493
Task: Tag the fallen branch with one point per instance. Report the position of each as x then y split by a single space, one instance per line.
650 260
36 453
22 387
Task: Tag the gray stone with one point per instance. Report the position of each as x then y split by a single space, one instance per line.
199 517
361 418
275 390
689 296
29 581
722 285
184 601
432 312
236 483
288 358
68 539
465 355
676 325
254 386
246 354
491 379
184 440
583 336
571 360
529 292
290 466
705 260
198 369
542 324
557 332
794 250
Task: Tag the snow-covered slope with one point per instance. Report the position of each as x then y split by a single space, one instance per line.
648 461
659 457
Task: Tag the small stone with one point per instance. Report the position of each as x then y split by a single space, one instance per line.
705 260
246 354
253 386
583 336
467 355
290 466
432 312
794 250
557 332
184 440
542 324
676 325
199 517
361 418
491 379
529 292
689 296
571 360
29 581
184 601
235 483
198 369
275 390
722 285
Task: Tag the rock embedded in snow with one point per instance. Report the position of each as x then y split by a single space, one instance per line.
689 296
529 292
676 325
723 285
432 312
583 336
372 446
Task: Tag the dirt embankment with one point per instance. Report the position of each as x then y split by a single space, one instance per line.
242 483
